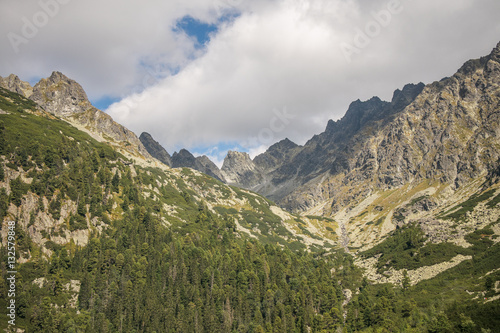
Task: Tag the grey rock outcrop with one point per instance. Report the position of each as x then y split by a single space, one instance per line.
260 173
448 133
100 123
286 166
276 155
155 149
208 167
181 159
60 95
238 168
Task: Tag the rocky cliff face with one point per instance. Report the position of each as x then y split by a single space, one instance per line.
445 131
13 83
286 166
181 159
104 128
449 133
208 167
155 149
277 155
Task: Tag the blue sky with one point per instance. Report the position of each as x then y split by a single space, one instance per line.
104 102
196 28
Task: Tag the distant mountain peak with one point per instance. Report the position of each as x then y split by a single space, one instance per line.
14 83
239 168
179 158
155 149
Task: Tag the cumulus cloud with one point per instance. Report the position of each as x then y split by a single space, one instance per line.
288 55
280 68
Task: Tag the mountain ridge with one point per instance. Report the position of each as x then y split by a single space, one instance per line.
65 98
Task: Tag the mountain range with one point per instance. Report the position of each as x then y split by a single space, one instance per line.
404 192
429 141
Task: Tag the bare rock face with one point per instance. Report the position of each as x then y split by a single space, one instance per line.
183 159
104 126
238 168
286 171
13 83
155 149
276 156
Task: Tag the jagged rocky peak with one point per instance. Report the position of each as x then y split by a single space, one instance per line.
236 158
358 114
60 95
361 113
489 63
182 159
238 168
495 54
402 98
283 145
14 84
275 155
449 133
65 98
155 149
208 167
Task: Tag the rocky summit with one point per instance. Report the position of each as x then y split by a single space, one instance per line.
238 168
60 95
184 159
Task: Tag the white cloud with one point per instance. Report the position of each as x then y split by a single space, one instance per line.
101 44
277 54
